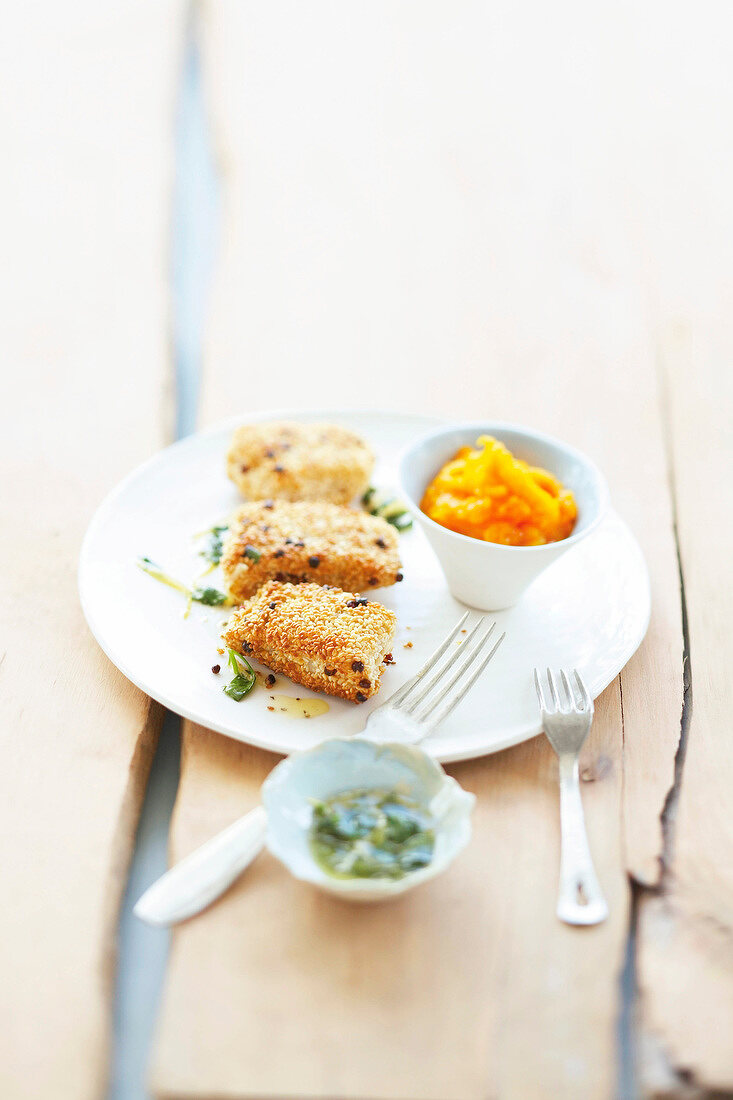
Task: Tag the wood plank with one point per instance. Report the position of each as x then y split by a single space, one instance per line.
522 274
311 997
684 161
385 223
685 960
85 131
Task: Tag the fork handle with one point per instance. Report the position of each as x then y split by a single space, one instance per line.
580 900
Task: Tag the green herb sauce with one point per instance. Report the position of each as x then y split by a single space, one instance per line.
371 834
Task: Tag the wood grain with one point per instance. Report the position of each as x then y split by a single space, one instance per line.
87 93
409 250
280 991
683 159
685 958
408 226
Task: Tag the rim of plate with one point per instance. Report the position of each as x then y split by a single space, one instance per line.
108 502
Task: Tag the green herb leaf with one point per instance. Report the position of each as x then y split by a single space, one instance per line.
212 597
244 680
252 553
215 545
389 508
239 686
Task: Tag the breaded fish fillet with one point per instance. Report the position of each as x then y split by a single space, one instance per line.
324 638
308 541
287 460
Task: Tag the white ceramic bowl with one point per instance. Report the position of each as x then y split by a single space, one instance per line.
340 765
488 575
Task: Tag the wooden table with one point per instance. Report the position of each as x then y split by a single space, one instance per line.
517 211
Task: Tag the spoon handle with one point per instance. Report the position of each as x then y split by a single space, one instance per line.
205 874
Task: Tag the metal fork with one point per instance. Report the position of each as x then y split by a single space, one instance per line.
419 706
408 716
567 721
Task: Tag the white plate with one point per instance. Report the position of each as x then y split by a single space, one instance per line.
589 610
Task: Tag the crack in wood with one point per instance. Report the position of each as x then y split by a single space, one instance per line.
672 799
668 1079
671 802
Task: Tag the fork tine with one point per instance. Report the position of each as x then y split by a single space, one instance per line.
399 695
584 693
425 689
460 663
540 693
451 701
570 694
553 690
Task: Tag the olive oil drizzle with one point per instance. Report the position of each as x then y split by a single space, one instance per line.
297 706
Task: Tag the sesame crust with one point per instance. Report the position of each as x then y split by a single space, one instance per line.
324 638
286 460
308 541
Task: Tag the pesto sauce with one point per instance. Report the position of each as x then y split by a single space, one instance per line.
371 834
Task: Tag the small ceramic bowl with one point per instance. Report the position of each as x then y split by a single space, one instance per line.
488 575
336 766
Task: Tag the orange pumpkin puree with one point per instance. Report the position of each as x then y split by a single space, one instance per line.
487 493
